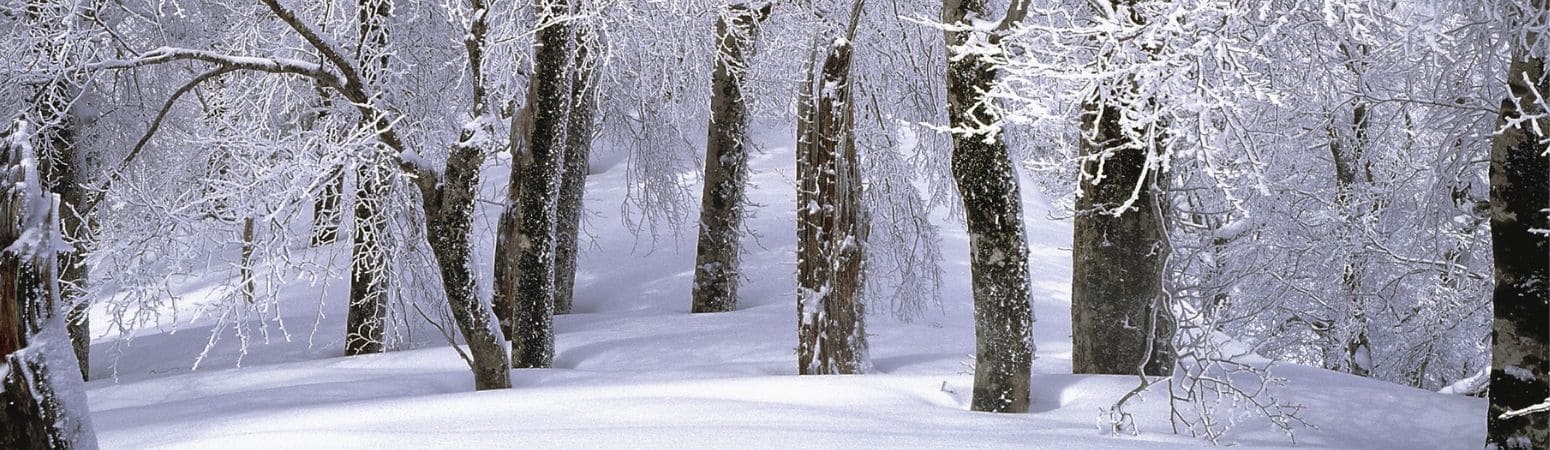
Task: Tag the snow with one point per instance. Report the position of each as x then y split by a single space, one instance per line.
635 369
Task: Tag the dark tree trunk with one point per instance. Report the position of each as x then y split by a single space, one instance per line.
508 232
716 271
532 344
1119 321
1520 195
573 185
450 211
831 336
42 401
998 250
366 322
327 211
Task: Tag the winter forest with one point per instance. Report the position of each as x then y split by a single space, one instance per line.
774 223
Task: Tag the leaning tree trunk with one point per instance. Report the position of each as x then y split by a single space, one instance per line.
573 186
450 210
1520 174
532 342
366 321
1119 321
42 401
998 249
831 336
716 272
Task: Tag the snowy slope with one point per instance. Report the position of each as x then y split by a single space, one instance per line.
636 370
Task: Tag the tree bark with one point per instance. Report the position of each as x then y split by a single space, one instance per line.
831 334
1520 196
578 151
1119 320
508 232
366 322
532 345
998 250
42 402
716 268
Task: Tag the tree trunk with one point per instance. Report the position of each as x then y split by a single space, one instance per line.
508 231
366 322
42 402
998 250
451 223
716 270
327 211
831 336
578 151
1520 174
1119 321
532 345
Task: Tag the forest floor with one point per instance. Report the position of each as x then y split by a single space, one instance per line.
635 370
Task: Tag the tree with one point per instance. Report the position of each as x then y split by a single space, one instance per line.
42 401
998 248
1119 318
365 324
532 341
831 225
716 274
573 183
1520 199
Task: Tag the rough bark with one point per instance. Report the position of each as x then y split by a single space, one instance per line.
450 213
1119 320
508 230
998 250
42 401
716 269
831 334
532 344
449 209
1520 196
578 151
366 321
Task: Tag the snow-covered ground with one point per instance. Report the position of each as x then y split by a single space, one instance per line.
636 370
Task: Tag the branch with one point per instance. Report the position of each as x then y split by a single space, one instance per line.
352 78
270 65
151 131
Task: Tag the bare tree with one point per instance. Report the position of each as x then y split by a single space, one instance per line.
716 274
532 341
992 205
573 183
831 225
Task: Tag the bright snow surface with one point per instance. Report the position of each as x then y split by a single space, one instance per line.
636 370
